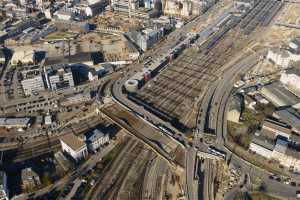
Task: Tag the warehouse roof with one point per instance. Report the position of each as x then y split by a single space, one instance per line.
277 126
281 145
290 116
73 142
279 92
25 121
263 141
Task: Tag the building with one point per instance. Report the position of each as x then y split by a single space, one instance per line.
59 78
148 37
186 8
73 146
30 179
2 57
32 82
279 95
33 104
71 25
64 14
24 122
75 99
290 116
262 145
4 195
93 7
23 57
284 57
21 25
280 149
291 80
243 5
48 120
96 139
87 58
127 7
277 128
294 45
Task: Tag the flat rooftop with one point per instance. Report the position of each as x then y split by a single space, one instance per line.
72 141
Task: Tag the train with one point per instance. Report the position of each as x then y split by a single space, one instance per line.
213 150
166 130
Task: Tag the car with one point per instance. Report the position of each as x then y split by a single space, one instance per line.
271 177
293 183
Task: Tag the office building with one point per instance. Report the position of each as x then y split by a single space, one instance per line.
74 146
59 78
32 82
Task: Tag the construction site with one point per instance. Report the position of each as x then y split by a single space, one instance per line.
178 89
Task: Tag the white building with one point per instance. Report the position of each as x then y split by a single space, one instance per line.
186 8
96 139
283 57
59 79
3 186
291 79
75 147
64 14
262 146
32 84
243 5
94 7
48 120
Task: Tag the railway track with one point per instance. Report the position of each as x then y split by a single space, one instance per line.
48 144
106 187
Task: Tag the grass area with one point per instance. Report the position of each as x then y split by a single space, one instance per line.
241 134
239 137
59 36
255 196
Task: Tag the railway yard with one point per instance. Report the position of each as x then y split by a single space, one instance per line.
22 151
135 173
178 89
